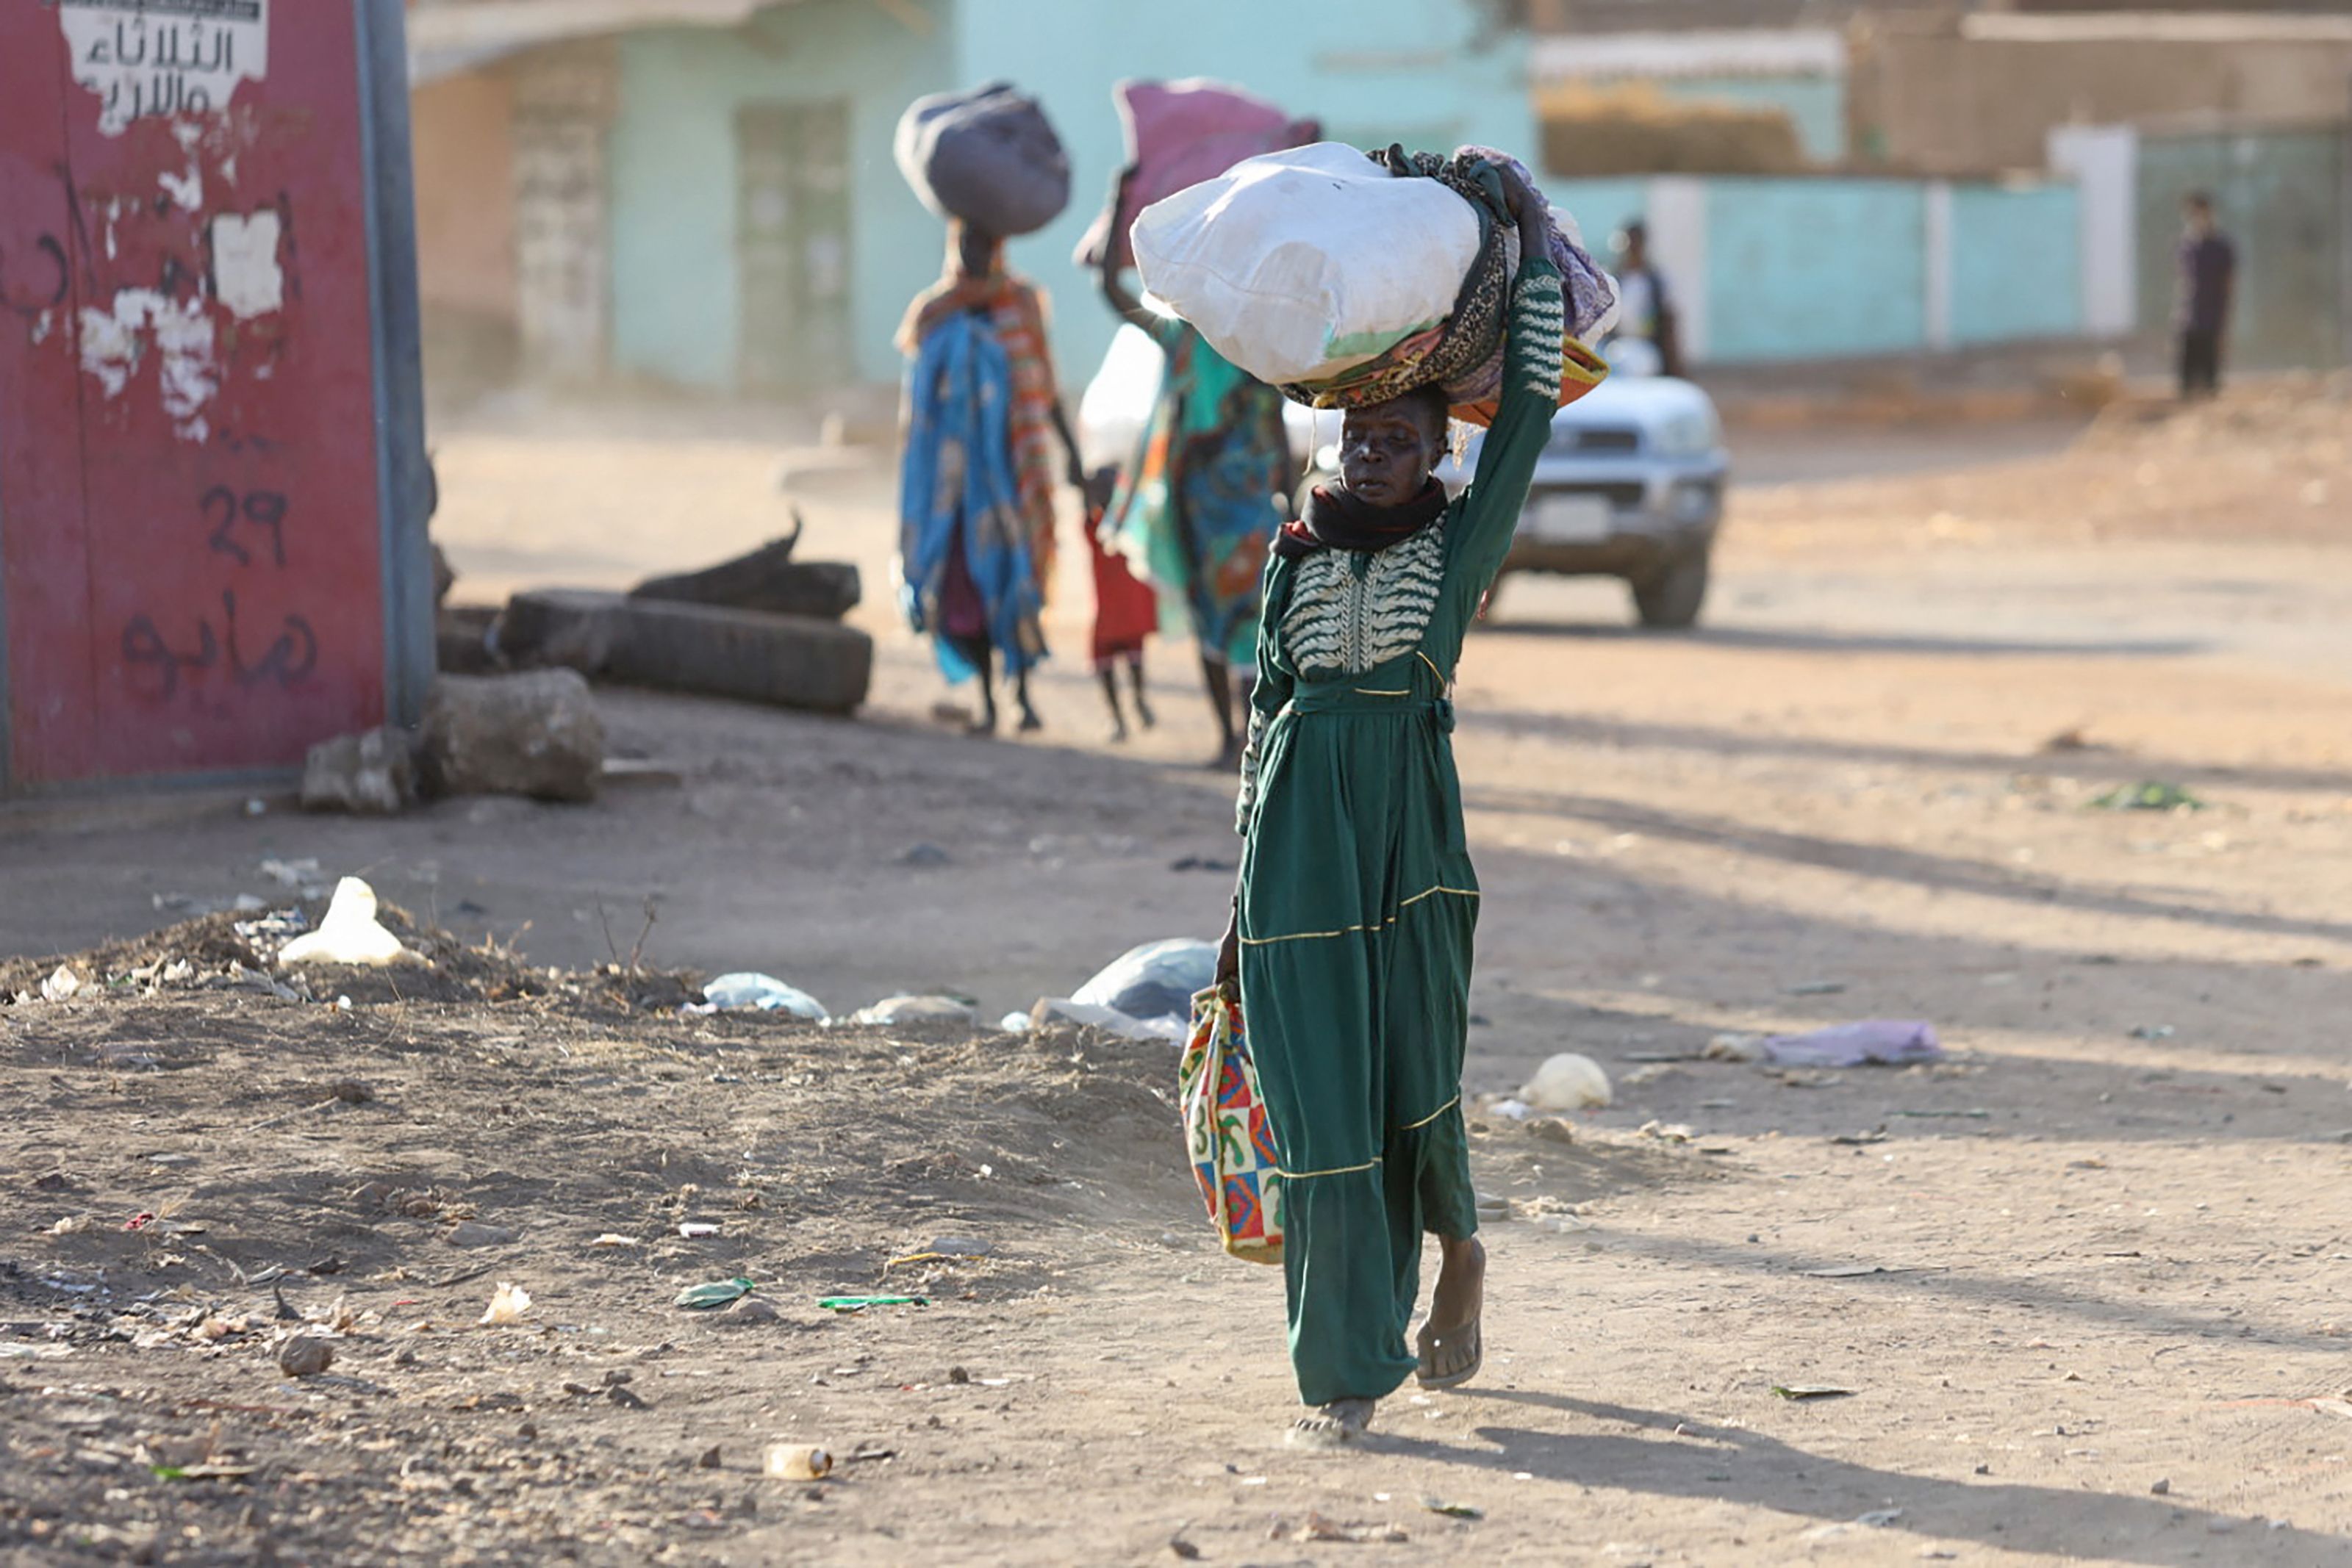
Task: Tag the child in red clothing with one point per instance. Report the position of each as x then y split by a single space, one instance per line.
1127 611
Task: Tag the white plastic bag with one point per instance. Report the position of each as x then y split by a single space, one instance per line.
1157 980
1300 264
349 933
764 992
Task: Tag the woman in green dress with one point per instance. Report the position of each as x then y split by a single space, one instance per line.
1353 924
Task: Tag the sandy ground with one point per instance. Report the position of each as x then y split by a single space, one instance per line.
2107 1319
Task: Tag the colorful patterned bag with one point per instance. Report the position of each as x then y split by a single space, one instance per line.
1225 1129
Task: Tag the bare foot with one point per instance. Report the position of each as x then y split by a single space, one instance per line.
1335 1425
1452 1347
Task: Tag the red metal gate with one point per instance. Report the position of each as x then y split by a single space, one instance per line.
212 488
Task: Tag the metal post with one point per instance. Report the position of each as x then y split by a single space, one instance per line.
404 484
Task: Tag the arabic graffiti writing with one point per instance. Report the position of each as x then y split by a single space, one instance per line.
164 57
292 654
250 529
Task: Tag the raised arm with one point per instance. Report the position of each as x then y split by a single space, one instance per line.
1530 396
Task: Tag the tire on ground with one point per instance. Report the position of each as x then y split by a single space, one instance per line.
576 628
792 661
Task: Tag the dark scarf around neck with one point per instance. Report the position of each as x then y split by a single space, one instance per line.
1335 519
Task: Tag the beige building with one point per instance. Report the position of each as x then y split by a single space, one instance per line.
1981 92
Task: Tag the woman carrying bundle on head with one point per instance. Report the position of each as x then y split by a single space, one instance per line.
1352 936
986 438
1198 505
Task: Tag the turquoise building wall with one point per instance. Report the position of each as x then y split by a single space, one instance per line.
1793 268
2016 263
673 175
1599 208
1411 71
1372 70
1814 268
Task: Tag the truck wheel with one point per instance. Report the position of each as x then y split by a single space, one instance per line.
1670 601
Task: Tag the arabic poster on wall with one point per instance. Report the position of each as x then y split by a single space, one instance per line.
165 57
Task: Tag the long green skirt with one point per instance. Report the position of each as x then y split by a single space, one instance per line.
1358 908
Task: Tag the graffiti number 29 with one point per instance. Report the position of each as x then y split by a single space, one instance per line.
264 509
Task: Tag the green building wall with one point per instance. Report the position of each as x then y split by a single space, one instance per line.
673 181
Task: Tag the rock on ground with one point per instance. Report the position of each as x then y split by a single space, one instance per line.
369 774
535 733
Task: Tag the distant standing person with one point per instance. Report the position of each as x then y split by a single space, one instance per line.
984 421
2209 275
1200 503
1646 310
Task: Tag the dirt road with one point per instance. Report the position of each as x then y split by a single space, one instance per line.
2084 1281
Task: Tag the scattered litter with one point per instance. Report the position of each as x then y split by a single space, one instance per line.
797 1462
203 1472
2153 1031
926 854
305 1355
1512 1110
1882 1041
1854 1271
1318 1527
917 1010
62 983
1088 1015
349 933
508 1304
72 1225
859 1303
1971 1116
1879 1518
1453 1509
1567 1082
612 1239
1156 980
697 1229
474 1233
1013 1023
2149 795
1815 988
763 992
1810 1391
1860 1140
35 1351
1735 1047
718 1293
302 873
